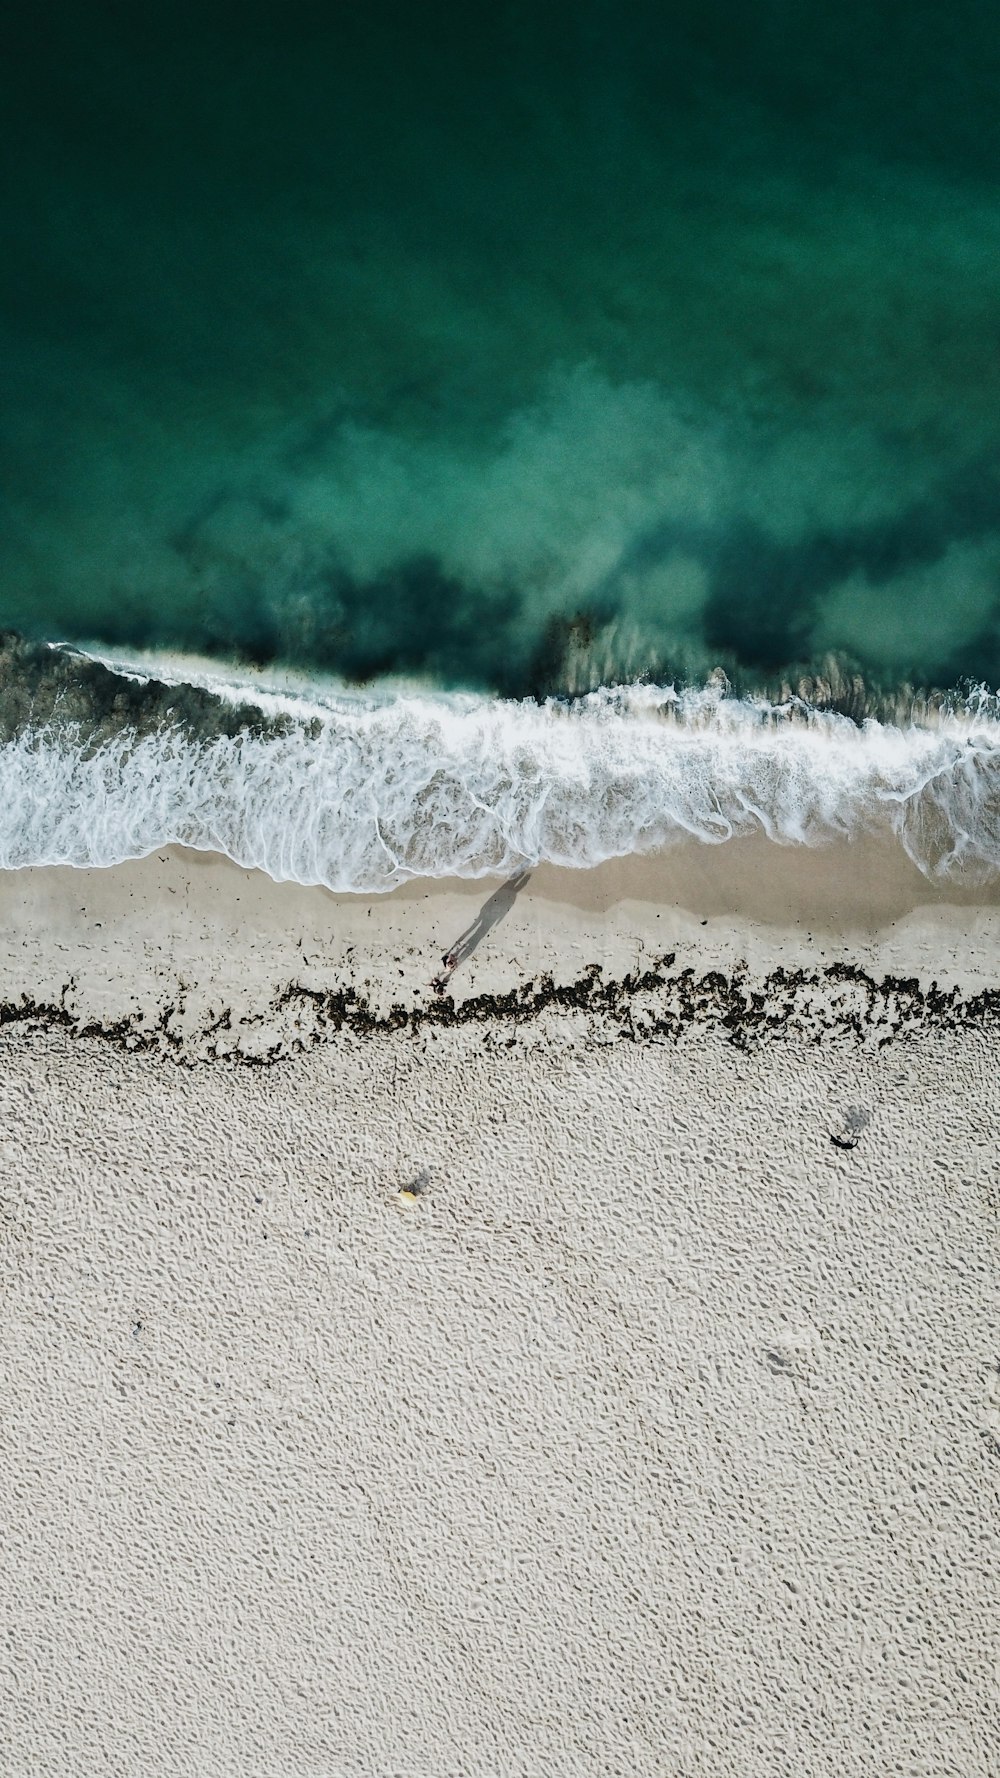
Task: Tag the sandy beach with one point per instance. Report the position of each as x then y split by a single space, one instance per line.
186 953
591 1368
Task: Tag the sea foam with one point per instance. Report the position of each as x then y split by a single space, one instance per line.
363 792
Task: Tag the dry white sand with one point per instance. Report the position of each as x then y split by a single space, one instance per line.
660 1434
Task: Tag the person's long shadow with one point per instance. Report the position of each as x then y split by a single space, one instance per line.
490 914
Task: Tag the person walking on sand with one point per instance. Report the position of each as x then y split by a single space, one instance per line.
440 982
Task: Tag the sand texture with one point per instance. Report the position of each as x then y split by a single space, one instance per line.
654 1429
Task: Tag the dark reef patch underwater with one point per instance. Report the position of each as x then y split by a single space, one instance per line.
442 438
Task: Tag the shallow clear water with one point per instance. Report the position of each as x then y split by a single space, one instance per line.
521 351
524 348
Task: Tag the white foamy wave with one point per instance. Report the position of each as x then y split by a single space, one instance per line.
370 792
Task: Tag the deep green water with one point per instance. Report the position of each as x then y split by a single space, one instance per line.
520 346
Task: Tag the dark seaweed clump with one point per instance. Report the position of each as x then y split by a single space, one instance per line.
841 1002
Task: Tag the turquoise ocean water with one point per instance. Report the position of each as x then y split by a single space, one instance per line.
405 372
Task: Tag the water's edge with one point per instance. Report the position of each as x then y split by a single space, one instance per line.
360 791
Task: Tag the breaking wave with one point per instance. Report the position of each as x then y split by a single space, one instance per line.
363 791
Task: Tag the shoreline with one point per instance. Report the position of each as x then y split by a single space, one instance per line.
189 952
